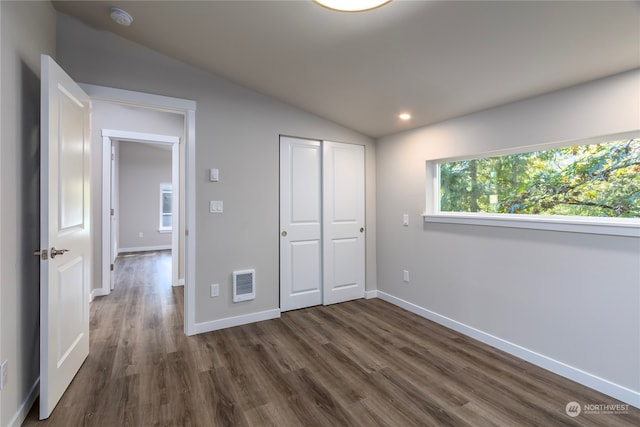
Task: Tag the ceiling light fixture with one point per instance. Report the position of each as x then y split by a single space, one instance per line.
352 5
404 116
121 17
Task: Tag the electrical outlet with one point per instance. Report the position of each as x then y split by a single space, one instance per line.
405 276
4 374
215 290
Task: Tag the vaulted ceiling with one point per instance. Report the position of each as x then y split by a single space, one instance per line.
434 59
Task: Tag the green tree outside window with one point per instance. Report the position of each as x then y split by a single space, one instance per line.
601 180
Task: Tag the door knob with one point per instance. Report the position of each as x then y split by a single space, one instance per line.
55 251
284 234
362 229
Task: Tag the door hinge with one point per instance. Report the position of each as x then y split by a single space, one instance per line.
113 156
113 211
111 267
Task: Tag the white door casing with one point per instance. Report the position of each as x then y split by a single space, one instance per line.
113 220
65 224
300 223
188 175
110 208
343 222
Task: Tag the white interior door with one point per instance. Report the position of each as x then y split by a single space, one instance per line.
343 222
65 233
300 223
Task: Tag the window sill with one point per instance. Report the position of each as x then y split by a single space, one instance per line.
165 230
610 226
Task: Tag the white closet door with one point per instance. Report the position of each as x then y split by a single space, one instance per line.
300 223
343 222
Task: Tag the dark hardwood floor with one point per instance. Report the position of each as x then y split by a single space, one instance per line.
362 363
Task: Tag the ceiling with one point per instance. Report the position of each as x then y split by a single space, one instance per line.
434 59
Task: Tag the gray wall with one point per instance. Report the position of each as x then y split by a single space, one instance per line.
28 29
237 131
142 168
572 297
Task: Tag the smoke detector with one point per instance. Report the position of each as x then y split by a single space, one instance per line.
121 17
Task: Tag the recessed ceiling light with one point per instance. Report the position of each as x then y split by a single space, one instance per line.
404 116
352 5
121 17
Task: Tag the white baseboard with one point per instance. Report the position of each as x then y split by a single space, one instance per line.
23 410
370 294
602 385
99 292
229 322
144 249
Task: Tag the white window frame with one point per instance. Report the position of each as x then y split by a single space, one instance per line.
574 224
163 190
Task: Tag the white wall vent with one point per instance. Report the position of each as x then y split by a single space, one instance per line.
244 285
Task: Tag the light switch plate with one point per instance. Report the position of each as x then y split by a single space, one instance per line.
214 175
215 290
405 219
215 206
405 276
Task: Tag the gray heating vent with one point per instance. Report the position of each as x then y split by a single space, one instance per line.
244 285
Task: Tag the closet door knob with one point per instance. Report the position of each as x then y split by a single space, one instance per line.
284 234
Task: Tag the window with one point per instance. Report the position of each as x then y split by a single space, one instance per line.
166 196
599 182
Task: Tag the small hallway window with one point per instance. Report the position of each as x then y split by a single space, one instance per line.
166 196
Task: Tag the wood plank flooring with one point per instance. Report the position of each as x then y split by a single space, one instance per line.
362 363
